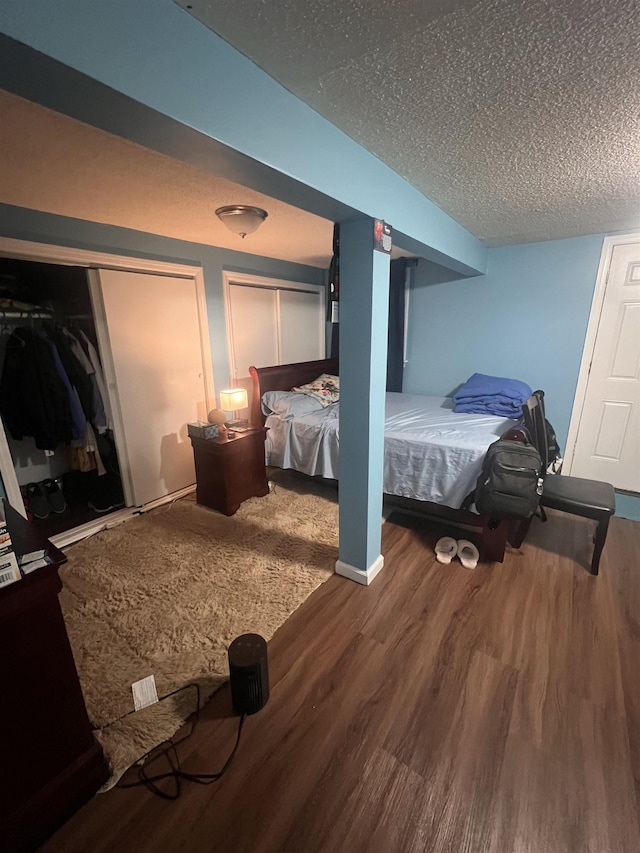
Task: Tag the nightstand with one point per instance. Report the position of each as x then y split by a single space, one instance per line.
230 470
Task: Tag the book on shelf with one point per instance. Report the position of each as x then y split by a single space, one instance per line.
9 571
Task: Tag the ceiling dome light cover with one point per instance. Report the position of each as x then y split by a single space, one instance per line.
241 218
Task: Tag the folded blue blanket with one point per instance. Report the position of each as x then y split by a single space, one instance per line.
480 385
492 395
493 406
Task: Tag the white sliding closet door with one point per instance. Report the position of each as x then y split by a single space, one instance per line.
272 322
254 320
301 326
152 351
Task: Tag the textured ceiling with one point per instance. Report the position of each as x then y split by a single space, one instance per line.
53 163
519 118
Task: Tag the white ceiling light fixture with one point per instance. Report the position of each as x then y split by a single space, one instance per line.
241 218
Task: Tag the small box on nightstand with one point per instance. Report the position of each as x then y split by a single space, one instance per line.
202 429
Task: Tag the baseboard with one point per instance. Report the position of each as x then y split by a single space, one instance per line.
363 577
75 534
110 519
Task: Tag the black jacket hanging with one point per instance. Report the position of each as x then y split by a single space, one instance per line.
33 398
74 370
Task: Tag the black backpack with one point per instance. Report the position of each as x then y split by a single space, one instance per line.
510 482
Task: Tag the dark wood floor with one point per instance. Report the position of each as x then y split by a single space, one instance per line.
441 709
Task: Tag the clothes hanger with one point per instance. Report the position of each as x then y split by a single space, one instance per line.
7 328
15 341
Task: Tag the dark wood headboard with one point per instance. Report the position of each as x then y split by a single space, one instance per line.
283 377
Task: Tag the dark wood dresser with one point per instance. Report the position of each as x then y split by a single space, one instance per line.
51 762
230 470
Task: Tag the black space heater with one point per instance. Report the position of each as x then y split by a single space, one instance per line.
249 673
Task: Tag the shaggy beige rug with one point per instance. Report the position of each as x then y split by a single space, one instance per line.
167 592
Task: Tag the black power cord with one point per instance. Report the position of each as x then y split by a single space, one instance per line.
167 749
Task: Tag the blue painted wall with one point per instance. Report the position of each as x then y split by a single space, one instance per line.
526 318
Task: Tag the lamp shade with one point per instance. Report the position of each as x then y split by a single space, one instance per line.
241 218
232 399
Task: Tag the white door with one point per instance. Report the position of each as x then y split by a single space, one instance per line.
150 342
254 328
607 445
301 325
272 322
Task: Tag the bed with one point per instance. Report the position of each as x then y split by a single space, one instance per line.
432 454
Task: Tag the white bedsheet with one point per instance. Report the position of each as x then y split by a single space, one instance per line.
431 453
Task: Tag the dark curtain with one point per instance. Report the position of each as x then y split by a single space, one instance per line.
395 366
333 294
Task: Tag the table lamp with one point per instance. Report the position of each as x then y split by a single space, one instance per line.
232 399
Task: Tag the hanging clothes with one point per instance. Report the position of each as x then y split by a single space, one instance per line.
78 423
52 389
47 391
74 369
98 418
94 358
34 400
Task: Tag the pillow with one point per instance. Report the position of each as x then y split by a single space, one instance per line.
288 404
325 389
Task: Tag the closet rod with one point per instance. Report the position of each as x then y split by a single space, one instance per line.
24 315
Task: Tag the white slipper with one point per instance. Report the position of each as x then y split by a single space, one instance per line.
446 549
468 553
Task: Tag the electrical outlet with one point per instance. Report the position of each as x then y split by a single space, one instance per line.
144 692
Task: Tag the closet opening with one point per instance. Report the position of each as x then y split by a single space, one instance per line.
54 401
